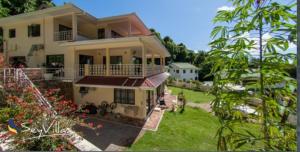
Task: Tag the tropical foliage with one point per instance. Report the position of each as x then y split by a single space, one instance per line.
180 53
263 30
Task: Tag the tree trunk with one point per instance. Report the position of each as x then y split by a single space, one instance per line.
264 105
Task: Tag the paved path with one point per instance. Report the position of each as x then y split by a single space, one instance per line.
204 106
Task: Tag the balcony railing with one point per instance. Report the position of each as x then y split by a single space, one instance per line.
128 70
152 70
63 36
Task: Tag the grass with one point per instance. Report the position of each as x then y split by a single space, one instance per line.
193 96
194 130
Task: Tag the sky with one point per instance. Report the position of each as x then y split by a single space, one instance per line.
185 21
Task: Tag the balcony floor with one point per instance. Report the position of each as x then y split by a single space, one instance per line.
148 82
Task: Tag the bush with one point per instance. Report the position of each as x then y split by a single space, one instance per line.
7 113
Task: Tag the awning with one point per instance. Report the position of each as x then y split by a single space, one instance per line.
151 82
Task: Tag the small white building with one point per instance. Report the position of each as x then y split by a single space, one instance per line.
183 71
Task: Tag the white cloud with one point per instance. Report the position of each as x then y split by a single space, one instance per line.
226 8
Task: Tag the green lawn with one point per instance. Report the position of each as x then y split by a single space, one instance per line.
193 96
194 130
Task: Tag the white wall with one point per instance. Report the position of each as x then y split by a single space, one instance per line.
183 76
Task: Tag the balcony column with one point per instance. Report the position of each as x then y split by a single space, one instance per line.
86 70
144 60
107 61
74 26
161 63
152 61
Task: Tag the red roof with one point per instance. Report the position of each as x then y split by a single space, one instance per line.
148 82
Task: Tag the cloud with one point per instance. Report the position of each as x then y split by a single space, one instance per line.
226 8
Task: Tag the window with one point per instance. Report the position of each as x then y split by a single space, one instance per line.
34 30
101 33
191 71
12 33
196 71
115 59
177 71
55 61
183 71
124 96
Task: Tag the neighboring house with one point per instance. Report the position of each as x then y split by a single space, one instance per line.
106 59
183 71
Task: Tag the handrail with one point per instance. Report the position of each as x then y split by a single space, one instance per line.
23 81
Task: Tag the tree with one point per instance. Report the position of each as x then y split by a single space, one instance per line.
266 28
15 7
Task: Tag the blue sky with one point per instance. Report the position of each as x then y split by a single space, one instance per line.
186 21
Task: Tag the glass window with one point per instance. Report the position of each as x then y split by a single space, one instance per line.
34 30
12 33
124 96
55 61
191 71
177 71
183 71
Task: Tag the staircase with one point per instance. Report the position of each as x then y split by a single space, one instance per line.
19 77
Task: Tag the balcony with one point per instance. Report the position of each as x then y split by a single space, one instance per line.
120 70
63 36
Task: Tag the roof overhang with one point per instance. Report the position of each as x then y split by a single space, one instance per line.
150 42
131 17
48 12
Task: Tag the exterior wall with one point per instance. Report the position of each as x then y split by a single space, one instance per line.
183 76
21 45
97 95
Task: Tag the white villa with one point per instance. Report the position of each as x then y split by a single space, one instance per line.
183 71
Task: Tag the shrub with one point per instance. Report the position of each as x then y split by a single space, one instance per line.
7 113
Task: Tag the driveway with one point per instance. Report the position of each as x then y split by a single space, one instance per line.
112 136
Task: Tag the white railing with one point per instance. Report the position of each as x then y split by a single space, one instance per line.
131 70
18 76
128 70
49 73
152 70
63 36
97 69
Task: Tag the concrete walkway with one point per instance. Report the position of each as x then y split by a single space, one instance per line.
204 106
